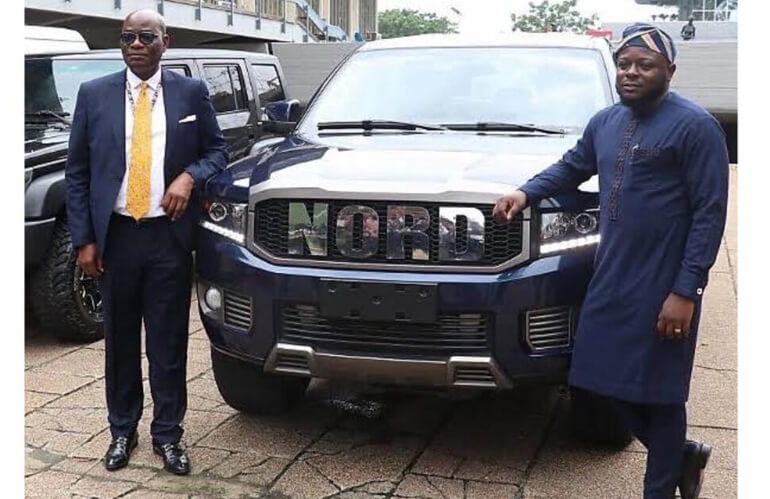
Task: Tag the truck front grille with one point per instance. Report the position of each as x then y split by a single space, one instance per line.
502 242
549 328
452 334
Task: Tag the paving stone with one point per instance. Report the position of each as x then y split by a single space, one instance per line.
143 493
283 437
96 345
131 473
49 484
302 480
76 420
58 442
195 369
82 362
265 473
488 471
91 396
371 462
36 380
96 447
198 424
200 486
91 487
378 487
480 490
356 494
430 487
76 465
36 460
35 400
436 462
206 458
713 399
41 349
580 473
235 463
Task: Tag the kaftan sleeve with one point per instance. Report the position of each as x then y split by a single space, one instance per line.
705 165
575 167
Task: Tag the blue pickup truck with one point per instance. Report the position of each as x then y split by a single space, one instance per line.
361 244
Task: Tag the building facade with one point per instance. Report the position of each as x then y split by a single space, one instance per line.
248 24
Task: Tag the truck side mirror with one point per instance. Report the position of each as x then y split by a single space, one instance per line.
285 110
282 116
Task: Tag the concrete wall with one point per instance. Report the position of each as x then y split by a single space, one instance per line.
306 65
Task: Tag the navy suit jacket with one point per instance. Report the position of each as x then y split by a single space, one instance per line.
96 161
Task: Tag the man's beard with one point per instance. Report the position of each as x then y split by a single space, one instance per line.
653 95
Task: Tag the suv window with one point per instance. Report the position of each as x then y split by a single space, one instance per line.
181 69
52 85
268 83
225 84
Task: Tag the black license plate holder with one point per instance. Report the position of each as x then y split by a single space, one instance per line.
378 301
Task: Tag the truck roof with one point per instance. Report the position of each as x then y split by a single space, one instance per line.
514 39
177 53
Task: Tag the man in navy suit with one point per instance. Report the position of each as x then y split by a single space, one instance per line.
143 143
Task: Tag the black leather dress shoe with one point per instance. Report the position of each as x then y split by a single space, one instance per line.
174 457
119 451
696 456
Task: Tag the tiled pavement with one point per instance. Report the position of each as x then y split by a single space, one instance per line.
348 444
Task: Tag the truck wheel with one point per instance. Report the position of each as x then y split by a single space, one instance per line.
66 301
247 388
595 420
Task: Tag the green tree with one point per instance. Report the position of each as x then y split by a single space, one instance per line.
561 16
406 22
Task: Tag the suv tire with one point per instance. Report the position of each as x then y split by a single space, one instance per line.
595 420
245 387
66 302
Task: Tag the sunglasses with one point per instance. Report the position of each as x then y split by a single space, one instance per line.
145 37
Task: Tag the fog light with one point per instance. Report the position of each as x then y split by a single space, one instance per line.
213 298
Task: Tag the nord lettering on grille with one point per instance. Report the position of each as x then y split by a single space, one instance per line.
357 232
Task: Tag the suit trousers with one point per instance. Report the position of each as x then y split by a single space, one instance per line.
662 430
147 276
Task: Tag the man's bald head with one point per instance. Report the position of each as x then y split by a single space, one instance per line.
143 42
148 15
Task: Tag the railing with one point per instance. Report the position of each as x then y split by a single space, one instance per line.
298 12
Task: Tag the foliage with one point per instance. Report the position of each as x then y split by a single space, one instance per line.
394 23
546 16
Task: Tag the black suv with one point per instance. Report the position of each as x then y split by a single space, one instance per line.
66 301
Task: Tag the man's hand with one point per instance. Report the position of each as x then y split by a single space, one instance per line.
90 261
508 206
177 196
675 317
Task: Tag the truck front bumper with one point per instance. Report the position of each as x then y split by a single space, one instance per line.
521 321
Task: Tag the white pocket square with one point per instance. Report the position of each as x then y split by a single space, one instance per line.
188 119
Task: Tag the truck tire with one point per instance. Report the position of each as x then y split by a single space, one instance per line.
595 420
67 302
245 387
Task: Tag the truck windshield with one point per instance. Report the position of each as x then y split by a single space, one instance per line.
51 86
557 88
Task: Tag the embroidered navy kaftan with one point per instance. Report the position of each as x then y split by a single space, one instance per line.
663 183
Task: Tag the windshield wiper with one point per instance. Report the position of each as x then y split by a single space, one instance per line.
503 127
47 112
377 125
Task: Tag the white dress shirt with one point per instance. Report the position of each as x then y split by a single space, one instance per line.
158 134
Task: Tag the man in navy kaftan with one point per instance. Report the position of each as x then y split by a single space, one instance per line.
663 178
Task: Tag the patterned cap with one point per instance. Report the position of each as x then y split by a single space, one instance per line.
650 37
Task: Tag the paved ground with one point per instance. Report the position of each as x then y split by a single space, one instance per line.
350 444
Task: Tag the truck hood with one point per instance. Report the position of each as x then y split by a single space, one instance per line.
420 163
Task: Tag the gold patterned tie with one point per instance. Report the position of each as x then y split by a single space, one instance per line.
138 195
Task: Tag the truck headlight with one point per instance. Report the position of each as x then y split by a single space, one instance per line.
561 231
226 219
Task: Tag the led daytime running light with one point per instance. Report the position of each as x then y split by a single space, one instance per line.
572 243
230 234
